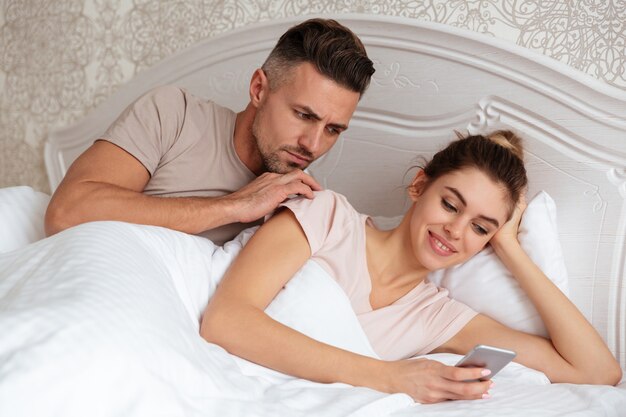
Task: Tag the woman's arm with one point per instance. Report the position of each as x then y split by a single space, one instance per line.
575 352
235 319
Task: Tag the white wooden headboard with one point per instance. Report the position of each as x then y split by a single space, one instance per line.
431 79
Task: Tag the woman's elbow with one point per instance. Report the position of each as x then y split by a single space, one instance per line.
229 325
610 374
216 326
615 377
210 327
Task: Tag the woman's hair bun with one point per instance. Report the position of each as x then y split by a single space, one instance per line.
508 140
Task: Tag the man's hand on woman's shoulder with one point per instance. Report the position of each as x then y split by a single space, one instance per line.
260 197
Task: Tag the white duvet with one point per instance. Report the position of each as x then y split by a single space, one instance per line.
102 320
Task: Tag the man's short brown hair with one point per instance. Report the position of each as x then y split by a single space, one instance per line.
332 48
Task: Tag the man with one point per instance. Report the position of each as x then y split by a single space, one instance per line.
221 171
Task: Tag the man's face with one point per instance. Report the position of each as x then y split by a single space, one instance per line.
301 119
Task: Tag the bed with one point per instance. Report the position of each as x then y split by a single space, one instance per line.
430 79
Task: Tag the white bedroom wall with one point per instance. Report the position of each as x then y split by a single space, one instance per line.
60 58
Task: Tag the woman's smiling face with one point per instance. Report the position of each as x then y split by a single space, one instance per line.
455 216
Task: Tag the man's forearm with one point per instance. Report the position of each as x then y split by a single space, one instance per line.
92 201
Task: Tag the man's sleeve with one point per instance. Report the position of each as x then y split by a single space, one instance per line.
149 127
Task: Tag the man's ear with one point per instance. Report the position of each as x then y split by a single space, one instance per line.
259 86
418 185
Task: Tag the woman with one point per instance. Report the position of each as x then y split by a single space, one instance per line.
470 194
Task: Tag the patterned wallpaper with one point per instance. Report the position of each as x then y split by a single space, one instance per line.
60 58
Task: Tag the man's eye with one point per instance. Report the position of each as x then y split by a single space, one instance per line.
447 205
303 116
332 131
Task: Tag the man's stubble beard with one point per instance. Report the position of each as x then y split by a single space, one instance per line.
270 158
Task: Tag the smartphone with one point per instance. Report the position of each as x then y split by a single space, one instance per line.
489 357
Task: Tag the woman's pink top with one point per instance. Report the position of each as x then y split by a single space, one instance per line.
415 324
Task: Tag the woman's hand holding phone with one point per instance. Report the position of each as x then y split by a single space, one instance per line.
428 381
488 357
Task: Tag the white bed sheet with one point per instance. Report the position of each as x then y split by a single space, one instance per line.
93 324
518 393
102 320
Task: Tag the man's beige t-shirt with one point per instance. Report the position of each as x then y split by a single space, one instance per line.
186 144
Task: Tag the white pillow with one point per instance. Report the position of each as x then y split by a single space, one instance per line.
485 284
22 210
313 303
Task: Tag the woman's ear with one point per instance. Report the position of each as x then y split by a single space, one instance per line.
418 185
259 86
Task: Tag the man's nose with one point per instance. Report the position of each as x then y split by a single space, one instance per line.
311 139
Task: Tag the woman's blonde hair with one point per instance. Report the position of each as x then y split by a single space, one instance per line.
498 154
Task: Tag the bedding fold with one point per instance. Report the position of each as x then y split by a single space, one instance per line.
102 320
